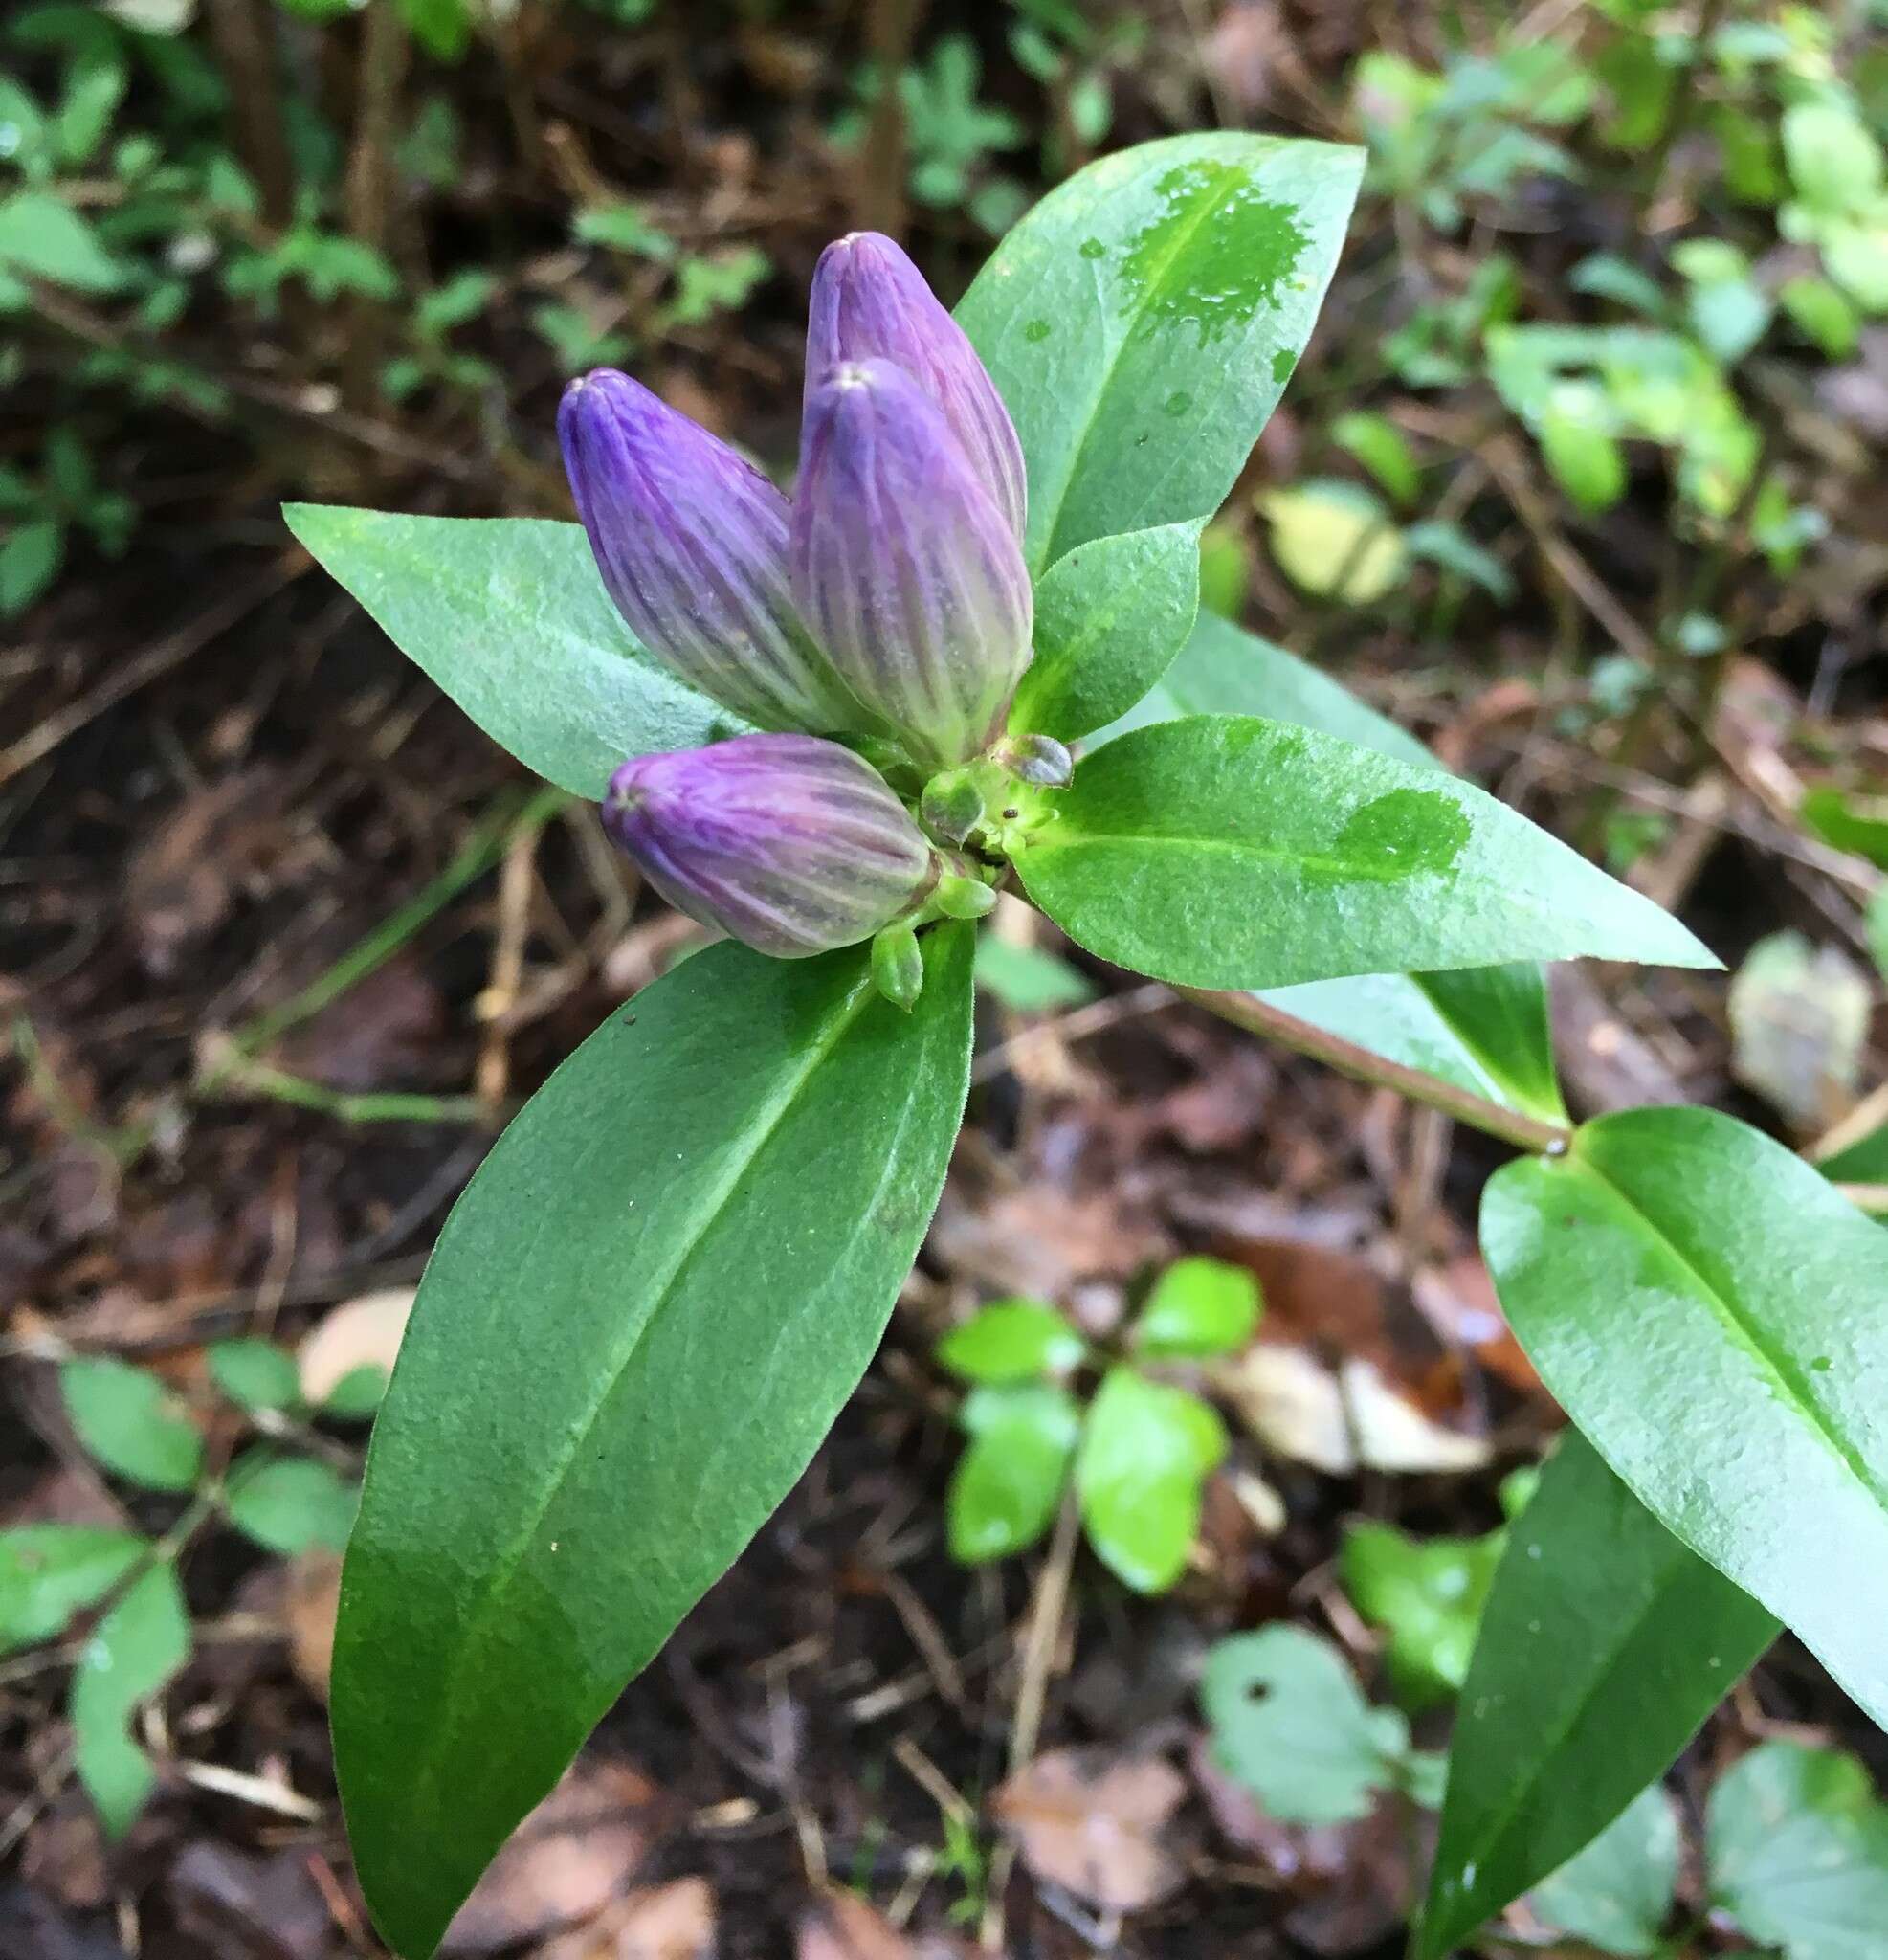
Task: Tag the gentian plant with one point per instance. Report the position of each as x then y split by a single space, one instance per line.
965 652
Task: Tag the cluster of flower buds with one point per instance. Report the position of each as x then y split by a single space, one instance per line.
886 606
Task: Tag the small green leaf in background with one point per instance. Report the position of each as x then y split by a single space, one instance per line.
1109 619
1226 851
1336 540
509 616
1290 1723
1450 547
1587 461
1429 1595
1796 1848
1799 1017
1822 313
1835 163
1850 822
30 560
42 237
1012 1341
443 28
131 1423
1146 1452
1617 1894
1026 979
358 1394
1709 1312
255 1374
1225 570
1604 1645
1728 311
48 1572
1012 1471
1382 448
1198 1308
291 1503
132 1653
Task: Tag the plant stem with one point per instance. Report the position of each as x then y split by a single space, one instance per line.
1247 1010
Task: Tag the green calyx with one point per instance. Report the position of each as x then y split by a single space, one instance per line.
990 805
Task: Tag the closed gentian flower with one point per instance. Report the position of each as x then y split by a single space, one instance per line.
870 303
788 843
692 543
909 575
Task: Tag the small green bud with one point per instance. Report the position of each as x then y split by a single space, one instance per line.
1038 759
952 806
958 897
898 967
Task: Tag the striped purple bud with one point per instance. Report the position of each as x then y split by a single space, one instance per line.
790 844
870 303
692 543
906 569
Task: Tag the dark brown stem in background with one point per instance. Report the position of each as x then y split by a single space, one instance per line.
243 33
1246 1011
891 26
381 69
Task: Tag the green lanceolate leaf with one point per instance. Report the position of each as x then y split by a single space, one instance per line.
48 1572
1225 670
1146 1450
640 1320
1011 1474
1483 1029
1226 851
1710 1312
1144 319
1617 1894
1604 1645
509 616
133 1651
1109 619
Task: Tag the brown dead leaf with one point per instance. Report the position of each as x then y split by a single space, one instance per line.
360 1334
841 1925
386 1028
311 1597
247 1908
1337 1420
568 1860
1093 1823
1346 1371
672 1921
1039 1242
1351 1885
228 840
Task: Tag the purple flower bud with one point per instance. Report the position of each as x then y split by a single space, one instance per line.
790 844
870 303
692 543
903 566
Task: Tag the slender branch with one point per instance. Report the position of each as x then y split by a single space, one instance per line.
1247 1010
